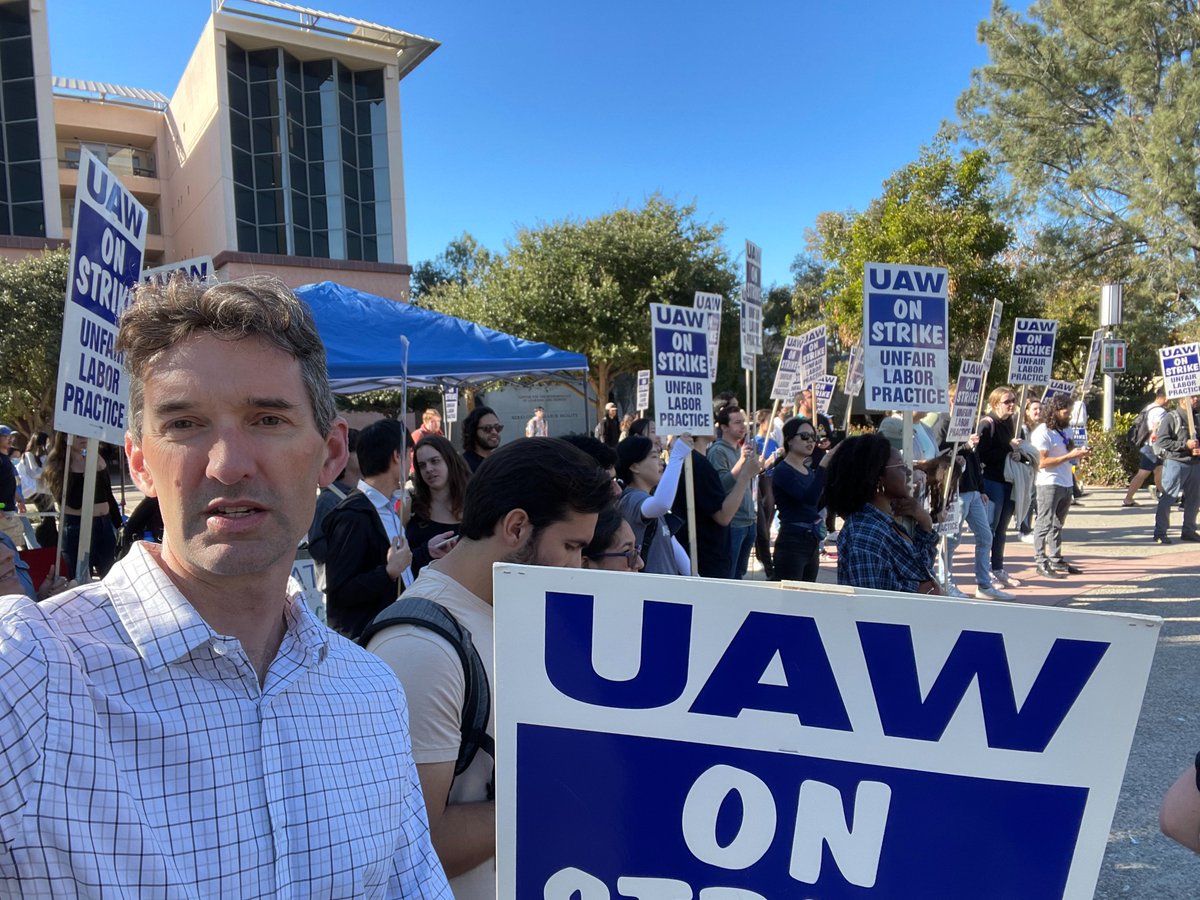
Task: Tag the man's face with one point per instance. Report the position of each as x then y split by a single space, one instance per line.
487 433
230 449
435 422
539 413
560 545
805 402
5 443
735 431
1062 416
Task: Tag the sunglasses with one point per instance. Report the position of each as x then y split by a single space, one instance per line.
806 435
490 429
631 556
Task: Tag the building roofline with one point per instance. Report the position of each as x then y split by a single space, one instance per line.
80 89
411 49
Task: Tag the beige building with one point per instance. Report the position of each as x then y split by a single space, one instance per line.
279 151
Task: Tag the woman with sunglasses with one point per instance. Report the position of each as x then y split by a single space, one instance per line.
613 546
647 498
866 485
997 442
797 486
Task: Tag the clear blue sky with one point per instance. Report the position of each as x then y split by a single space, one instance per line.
765 112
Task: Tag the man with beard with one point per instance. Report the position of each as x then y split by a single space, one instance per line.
481 435
535 501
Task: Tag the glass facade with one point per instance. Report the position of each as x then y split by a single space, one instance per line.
309 147
21 210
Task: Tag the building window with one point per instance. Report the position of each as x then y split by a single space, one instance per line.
21 210
309 153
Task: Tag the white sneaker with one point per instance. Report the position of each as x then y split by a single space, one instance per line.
1002 578
1026 538
992 594
953 591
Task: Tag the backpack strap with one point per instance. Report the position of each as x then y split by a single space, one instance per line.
477 698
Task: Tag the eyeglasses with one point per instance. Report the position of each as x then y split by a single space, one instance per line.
631 556
896 466
491 429
1009 402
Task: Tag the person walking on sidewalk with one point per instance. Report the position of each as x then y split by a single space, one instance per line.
1148 461
1053 484
997 442
1181 470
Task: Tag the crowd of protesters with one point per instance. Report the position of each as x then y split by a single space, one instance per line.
405 529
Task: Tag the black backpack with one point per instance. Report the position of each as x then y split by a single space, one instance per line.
477 697
1139 431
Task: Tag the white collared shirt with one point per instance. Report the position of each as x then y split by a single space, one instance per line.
390 519
140 757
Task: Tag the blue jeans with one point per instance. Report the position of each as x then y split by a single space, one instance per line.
975 514
104 544
741 542
1179 479
1000 513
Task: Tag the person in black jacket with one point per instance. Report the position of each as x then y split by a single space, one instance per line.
1180 453
367 553
997 441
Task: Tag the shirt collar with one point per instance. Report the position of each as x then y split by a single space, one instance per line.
164 627
377 497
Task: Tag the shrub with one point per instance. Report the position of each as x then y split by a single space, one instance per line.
1114 461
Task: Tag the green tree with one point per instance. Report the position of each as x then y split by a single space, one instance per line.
1091 108
464 263
936 211
586 285
32 295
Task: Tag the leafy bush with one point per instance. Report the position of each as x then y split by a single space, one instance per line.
1113 461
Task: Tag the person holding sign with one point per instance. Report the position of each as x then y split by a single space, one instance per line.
1053 482
222 741
868 488
68 459
648 496
1177 442
798 483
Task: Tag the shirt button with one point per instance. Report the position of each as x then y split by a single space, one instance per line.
219 648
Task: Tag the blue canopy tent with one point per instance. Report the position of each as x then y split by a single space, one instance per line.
362 335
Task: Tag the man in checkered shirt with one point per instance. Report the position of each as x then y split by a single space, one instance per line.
186 727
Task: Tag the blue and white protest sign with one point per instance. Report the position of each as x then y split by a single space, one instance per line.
813 349
1093 359
643 389
1032 359
198 269
1056 387
106 262
752 299
1077 430
823 389
906 338
789 365
1181 370
966 401
989 347
711 303
854 372
682 388
450 404
667 737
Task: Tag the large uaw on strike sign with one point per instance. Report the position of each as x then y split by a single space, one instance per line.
106 262
684 738
1181 370
1032 360
682 389
906 338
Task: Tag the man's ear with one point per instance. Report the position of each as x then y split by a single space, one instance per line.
142 476
515 528
337 451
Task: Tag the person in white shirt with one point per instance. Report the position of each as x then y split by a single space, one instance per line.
1053 485
187 727
537 426
533 501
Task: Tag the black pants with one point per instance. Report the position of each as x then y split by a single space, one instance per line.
766 512
797 556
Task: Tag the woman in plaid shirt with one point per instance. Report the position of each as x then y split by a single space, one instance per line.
867 487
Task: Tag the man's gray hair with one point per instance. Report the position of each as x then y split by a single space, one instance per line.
163 315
